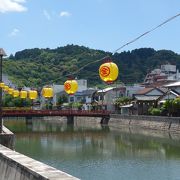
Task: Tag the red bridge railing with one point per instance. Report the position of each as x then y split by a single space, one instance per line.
24 113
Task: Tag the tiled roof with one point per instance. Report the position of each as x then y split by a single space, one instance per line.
164 90
147 98
144 91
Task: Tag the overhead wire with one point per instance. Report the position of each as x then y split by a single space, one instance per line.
126 44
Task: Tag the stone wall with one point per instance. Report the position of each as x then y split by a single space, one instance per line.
146 122
15 166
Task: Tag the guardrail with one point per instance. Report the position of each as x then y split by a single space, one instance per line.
22 113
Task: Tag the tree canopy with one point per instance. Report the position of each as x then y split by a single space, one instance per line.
38 67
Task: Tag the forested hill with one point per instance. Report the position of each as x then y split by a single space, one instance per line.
37 67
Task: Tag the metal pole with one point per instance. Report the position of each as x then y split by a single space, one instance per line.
1 121
2 53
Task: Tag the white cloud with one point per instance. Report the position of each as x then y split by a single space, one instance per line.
12 6
65 14
46 14
20 1
14 32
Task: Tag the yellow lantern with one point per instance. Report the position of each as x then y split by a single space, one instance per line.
108 72
71 86
2 85
32 94
10 91
23 94
47 92
15 93
6 88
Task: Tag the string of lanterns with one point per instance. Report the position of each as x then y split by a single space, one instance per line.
108 72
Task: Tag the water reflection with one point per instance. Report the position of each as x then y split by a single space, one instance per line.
79 149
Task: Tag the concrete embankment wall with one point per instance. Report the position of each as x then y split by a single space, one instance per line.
146 122
7 138
116 120
15 166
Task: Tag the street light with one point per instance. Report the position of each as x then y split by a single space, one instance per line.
2 53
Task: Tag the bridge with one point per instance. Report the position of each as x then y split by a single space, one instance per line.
37 113
68 113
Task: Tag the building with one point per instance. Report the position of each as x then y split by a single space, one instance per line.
78 96
133 89
105 98
148 97
158 77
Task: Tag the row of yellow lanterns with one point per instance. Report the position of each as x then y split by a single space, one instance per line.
108 72
47 92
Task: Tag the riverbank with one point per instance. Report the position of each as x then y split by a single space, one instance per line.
162 123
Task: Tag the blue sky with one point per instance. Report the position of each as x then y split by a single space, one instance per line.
97 24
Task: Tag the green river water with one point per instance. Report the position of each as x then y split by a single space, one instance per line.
93 152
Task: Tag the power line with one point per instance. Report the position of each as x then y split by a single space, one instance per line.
132 41
126 44
147 32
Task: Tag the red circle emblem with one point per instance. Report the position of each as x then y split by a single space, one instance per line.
67 86
104 71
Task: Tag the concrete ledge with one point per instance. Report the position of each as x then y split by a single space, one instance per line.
16 166
7 138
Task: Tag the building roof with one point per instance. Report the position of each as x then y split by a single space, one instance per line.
147 90
147 98
126 106
164 90
106 89
173 84
144 91
88 92
175 93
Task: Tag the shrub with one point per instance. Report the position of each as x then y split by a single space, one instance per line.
155 111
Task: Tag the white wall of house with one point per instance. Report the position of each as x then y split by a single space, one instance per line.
56 89
82 85
109 98
88 99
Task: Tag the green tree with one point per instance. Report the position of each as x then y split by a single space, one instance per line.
9 101
62 99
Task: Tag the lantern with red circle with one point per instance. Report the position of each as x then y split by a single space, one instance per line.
71 86
108 71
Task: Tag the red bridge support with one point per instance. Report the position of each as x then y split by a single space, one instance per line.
105 120
70 120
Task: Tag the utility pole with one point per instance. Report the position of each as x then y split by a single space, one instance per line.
2 53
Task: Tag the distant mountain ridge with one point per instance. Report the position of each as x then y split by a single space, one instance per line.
37 67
